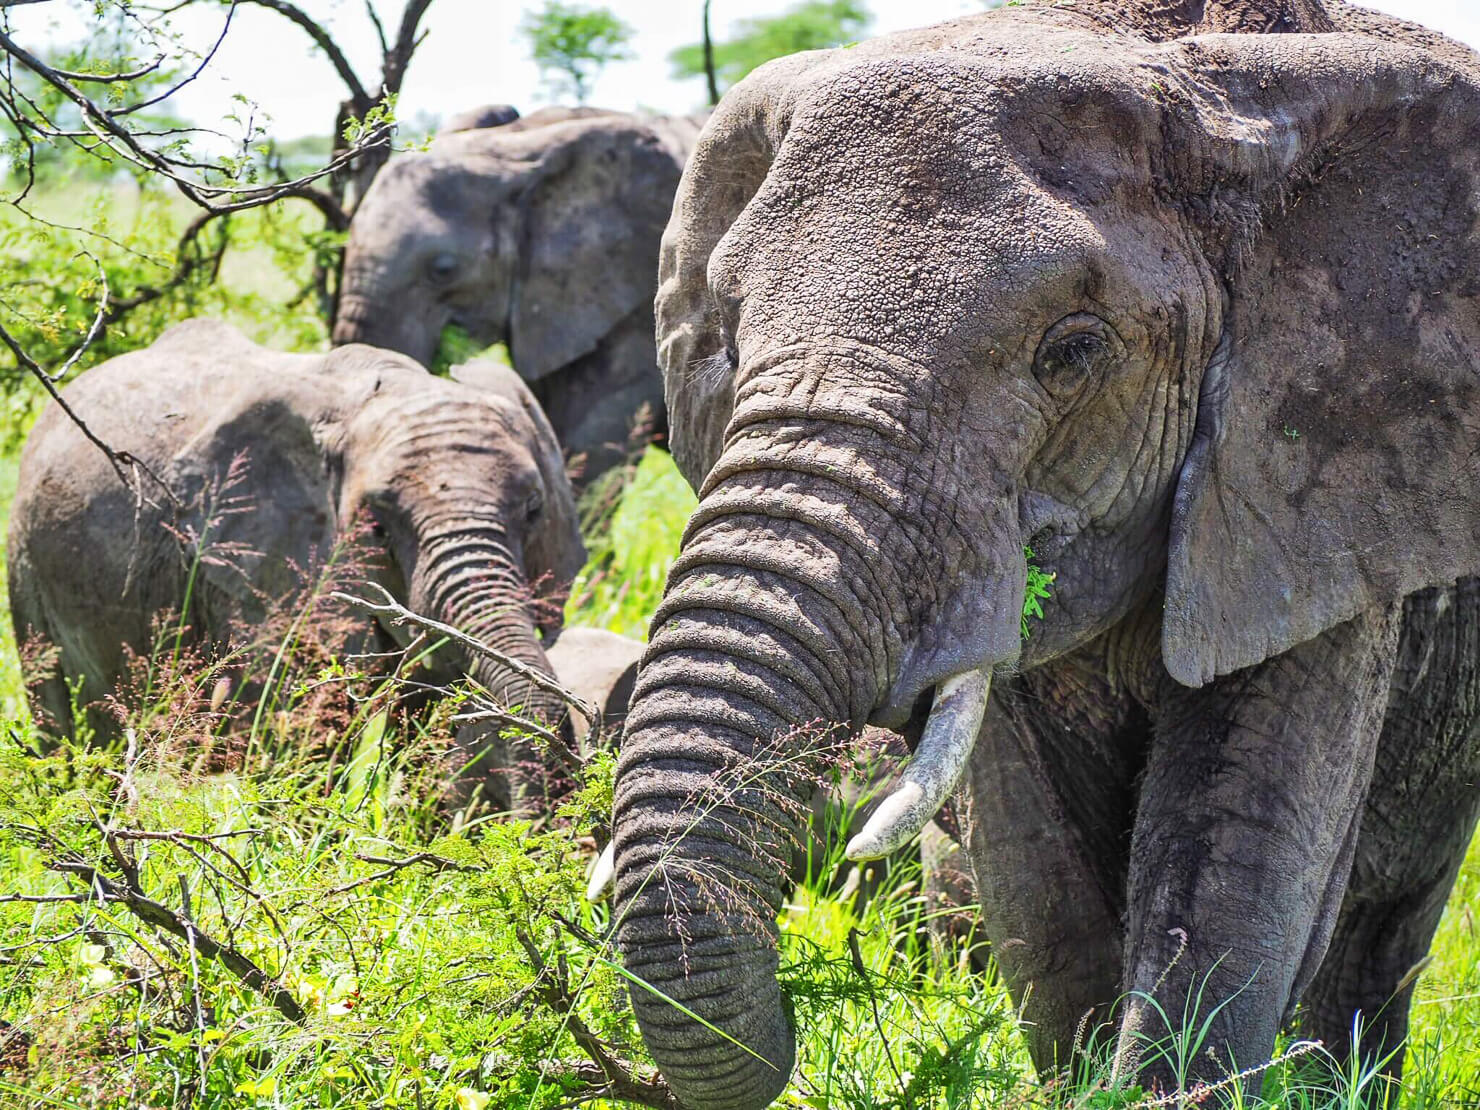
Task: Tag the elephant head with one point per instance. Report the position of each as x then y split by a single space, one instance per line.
541 233
463 487
454 494
1177 313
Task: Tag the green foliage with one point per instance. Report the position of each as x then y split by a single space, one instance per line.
572 43
128 237
456 346
809 25
1037 591
633 519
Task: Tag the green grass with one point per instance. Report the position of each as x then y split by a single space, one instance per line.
417 980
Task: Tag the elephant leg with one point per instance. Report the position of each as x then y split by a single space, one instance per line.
1049 807
1416 828
1252 793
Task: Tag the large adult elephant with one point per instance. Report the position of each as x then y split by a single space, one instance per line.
257 467
542 232
1191 308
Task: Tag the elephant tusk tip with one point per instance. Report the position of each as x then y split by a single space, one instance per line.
893 825
603 873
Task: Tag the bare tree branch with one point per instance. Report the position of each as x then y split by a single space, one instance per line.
398 614
161 916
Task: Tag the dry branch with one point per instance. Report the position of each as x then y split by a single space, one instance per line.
392 610
161 916
620 1078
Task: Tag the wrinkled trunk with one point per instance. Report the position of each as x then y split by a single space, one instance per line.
370 311
726 741
474 583
817 555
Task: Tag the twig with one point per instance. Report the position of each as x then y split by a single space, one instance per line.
621 1082
161 916
398 615
862 969
437 863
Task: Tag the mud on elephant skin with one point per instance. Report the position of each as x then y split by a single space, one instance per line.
543 233
455 498
1190 307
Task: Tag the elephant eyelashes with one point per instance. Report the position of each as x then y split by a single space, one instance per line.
1073 351
442 268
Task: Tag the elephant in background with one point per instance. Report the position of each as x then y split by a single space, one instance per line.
472 119
454 497
542 233
1184 298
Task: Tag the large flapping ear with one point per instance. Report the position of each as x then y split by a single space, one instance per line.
593 212
554 546
1336 459
729 164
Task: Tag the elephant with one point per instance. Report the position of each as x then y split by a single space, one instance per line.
542 233
474 119
453 495
1183 298
601 667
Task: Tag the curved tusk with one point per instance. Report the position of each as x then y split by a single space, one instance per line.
603 872
937 766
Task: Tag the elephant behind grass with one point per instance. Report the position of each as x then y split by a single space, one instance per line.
541 232
1182 297
254 471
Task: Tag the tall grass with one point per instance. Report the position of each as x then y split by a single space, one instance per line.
411 957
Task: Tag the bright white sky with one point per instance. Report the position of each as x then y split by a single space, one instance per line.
473 54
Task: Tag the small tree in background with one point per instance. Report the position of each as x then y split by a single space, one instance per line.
810 25
571 44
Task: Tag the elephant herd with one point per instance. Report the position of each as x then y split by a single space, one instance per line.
1179 300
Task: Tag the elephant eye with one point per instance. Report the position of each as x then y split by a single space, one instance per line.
1072 351
534 504
443 267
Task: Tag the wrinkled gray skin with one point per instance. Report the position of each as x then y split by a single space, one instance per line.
542 233
1190 308
601 668
457 494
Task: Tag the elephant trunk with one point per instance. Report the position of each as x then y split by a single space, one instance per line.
726 741
819 585
370 311
475 584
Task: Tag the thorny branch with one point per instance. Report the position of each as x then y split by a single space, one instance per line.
216 187
621 1080
392 610
161 916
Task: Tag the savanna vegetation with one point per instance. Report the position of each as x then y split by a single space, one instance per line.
261 901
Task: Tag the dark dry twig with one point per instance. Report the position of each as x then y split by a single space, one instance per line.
161 916
618 1078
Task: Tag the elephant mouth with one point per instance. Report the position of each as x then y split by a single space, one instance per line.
934 771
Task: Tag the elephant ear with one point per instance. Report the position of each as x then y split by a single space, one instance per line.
731 158
1336 455
594 209
554 546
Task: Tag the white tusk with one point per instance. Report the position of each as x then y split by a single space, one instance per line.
603 872
937 766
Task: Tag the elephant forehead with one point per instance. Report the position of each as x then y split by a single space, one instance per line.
908 198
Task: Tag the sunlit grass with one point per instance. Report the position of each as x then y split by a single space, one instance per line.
414 981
